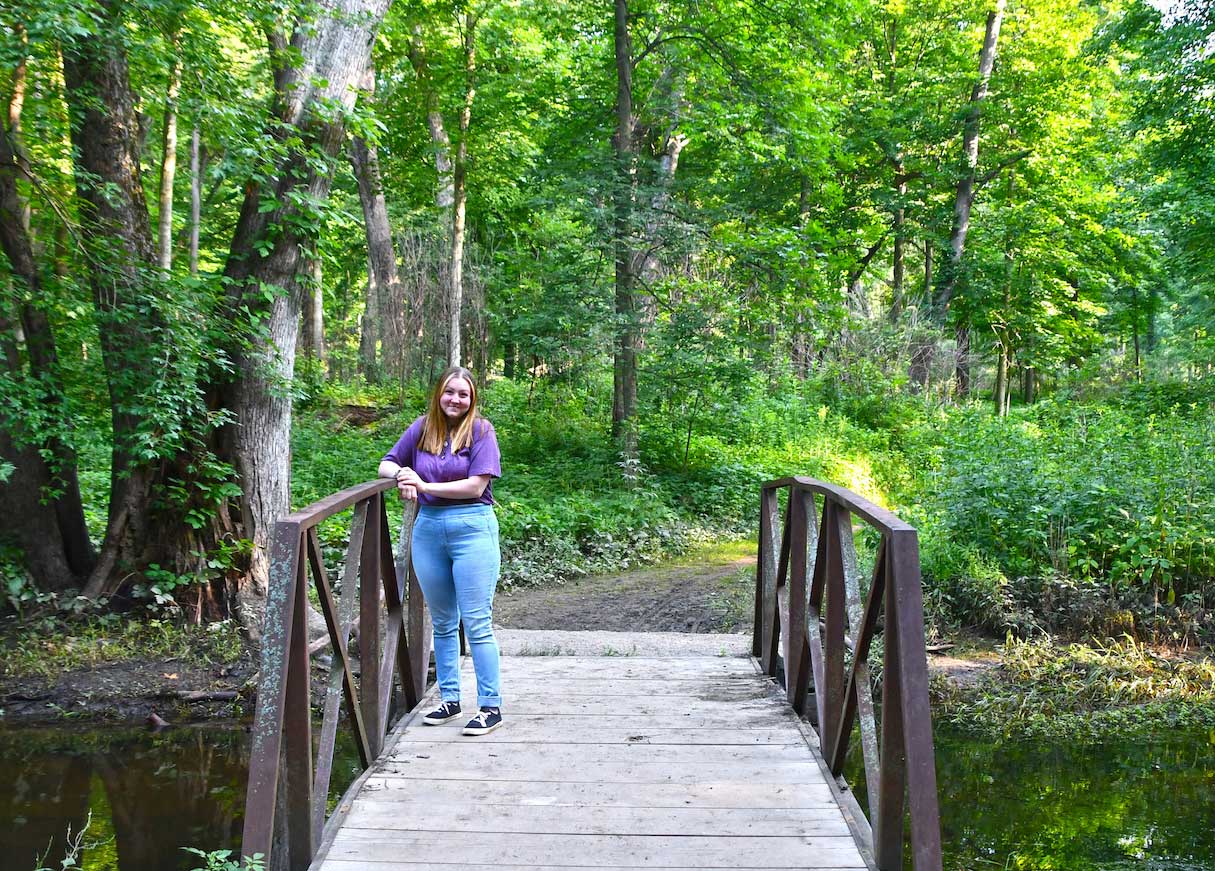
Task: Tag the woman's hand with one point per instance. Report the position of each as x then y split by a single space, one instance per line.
408 482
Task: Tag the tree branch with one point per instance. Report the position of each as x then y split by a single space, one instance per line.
1004 164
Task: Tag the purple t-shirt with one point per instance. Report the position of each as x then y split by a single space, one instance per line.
482 458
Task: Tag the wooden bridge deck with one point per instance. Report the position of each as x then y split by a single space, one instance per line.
602 762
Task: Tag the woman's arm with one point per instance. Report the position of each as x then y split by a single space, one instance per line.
389 469
466 488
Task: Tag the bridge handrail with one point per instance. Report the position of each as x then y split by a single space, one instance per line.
824 626
286 802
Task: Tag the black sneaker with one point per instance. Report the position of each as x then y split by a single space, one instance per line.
486 721
444 713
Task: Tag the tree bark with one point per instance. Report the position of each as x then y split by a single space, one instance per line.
965 194
455 298
898 266
41 501
332 50
369 331
196 171
444 195
168 160
961 367
624 146
312 336
117 232
381 253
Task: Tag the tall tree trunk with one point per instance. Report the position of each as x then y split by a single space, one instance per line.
800 346
965 195
322 67
624 146
41 500
168 160
898 267
369 331
312 336
439 141
455 297
196 171
962 361
1000 392
106 136
1029 383
381 253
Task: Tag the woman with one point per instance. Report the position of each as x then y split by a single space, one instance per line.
447 461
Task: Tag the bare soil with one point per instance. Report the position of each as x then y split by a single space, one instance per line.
132 690
694 595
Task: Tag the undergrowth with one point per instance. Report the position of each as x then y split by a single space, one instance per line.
49 645
1094 692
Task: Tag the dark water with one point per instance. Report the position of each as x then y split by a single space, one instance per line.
149 794
1145 803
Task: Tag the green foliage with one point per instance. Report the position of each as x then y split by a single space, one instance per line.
1081 692
226 860
1117 494
54 644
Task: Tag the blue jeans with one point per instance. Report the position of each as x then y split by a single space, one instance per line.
456 557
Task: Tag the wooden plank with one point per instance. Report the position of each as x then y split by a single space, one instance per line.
724 718
526 730
474 752
610 772
612 686
654 667
673 707
629 851
618 690
349 865
709 793
609 763
583 820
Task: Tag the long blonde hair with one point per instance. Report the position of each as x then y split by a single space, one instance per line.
435 431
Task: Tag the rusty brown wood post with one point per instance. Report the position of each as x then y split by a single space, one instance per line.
835 616
797 653
765 545
369 632
917 716
297 734
769 622
267 733
888 827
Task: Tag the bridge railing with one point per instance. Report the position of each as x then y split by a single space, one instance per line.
809 613
287 799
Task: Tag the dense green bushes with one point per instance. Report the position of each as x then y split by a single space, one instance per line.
1101 512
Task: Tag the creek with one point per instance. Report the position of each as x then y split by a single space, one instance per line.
1145 802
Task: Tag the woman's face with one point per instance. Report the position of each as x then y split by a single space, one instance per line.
455 398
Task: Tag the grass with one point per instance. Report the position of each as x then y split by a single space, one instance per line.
53 645
1095 692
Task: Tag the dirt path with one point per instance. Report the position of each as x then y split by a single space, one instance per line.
709 590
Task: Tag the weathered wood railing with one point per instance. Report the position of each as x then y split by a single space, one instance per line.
285 808
827 638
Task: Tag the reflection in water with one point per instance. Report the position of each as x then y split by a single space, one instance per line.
1146 803
149 795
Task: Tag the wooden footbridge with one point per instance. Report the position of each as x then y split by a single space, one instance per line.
612 762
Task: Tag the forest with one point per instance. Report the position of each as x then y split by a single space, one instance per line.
953 256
